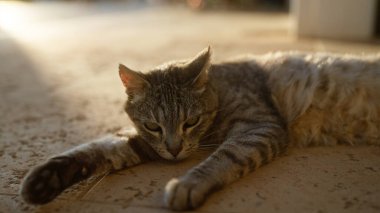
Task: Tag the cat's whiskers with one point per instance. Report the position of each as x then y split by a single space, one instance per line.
209 145
212 133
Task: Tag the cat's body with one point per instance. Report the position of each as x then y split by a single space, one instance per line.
249 109
325 99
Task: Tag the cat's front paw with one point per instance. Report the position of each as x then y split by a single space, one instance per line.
186 193
48 180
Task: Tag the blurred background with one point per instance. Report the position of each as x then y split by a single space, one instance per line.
59 84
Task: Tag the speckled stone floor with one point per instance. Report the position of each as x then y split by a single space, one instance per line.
59 88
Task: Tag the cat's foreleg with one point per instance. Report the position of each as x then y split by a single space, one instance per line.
241 153
44 182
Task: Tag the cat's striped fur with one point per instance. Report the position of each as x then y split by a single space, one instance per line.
251 108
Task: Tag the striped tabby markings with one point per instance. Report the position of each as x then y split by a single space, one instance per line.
43 183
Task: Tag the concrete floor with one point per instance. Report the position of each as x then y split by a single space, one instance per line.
59 87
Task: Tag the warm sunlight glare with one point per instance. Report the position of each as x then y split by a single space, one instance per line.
14 17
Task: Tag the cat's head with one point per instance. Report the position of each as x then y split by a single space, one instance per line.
172 105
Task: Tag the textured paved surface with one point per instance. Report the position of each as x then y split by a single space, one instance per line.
59 88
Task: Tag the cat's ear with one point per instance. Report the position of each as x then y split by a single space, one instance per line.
133 81
197 68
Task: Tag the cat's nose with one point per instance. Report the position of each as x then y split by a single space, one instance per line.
175 149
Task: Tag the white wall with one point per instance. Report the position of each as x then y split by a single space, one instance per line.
341 19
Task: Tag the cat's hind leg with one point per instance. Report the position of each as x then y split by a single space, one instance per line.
46 181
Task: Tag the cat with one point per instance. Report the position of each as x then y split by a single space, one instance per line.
250 109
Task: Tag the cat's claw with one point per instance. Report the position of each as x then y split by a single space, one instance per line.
185 193
43 183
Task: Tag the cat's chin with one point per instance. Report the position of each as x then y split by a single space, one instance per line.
178 158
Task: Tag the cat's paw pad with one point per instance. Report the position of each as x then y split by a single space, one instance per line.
185 194
44 183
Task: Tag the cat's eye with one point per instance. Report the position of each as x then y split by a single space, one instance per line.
151 126
191 122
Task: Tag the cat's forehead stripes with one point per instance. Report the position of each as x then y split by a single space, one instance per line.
168 107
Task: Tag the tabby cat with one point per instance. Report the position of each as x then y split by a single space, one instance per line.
252 108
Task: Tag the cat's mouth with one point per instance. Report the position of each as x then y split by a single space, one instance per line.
179 157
